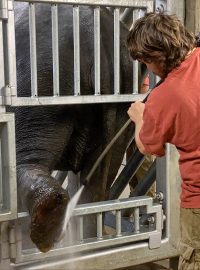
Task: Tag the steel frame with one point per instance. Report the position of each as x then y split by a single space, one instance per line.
113 256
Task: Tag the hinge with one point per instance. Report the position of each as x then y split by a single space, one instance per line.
5 6
4 243
6 94
15 241
10 5
4 9
12 241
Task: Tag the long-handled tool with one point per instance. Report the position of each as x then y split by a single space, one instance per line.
74 200
88 177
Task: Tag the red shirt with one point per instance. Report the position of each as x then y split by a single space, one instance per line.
172 114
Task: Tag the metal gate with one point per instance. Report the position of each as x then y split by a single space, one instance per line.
158 239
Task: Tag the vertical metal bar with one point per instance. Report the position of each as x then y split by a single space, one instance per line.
55 49
99 226
136 220
116 51
97 50
2 78
135 76
9 165
1 179
33 53
80 228
11 50
118 223
76 50
135 63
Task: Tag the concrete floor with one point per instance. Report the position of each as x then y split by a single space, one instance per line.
160 265
148 266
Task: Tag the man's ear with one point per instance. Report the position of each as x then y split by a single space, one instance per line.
197 37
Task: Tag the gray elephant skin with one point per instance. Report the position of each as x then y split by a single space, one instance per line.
66 137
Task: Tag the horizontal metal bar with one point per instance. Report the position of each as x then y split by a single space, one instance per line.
111 205
37 101
128 255
104 206
121 3
6 215
31 254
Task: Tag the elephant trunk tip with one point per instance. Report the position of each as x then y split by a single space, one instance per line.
85 182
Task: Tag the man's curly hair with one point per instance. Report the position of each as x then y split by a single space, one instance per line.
160 38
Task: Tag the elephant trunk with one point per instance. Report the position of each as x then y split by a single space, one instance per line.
46 202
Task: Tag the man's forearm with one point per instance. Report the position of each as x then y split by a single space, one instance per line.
135 112
140 145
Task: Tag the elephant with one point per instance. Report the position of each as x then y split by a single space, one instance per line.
66 137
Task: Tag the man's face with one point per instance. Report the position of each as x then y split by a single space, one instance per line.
156 68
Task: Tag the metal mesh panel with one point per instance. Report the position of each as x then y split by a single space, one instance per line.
93 96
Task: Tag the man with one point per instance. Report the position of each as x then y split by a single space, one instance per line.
172 113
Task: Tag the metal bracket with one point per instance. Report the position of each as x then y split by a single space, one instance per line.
5 98
155 240
12 241
8 244
4 9
4 251
10 5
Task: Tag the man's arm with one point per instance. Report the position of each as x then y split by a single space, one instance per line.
135 112
140 145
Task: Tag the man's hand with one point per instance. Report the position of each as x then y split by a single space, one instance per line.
135 111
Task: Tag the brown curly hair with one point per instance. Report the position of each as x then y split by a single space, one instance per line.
160 38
